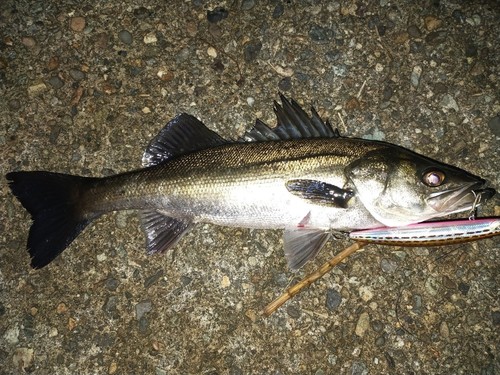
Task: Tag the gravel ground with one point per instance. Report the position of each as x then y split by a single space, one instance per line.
85 85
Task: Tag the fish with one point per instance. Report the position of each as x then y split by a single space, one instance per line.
301 176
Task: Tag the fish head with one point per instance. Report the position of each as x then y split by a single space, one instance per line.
399 187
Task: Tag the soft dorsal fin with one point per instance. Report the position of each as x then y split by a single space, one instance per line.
293 123
183 134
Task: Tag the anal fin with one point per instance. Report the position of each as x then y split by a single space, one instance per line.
162 232
302 244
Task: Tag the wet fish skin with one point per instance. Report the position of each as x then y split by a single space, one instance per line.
301 176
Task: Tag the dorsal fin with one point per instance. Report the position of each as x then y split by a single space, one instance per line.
183 134
293 123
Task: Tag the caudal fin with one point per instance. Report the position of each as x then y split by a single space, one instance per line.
52 199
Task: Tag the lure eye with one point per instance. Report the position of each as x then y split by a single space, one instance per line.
433 178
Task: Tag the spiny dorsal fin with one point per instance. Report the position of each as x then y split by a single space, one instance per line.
183 134
293 123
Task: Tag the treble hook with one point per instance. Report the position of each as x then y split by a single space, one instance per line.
473 210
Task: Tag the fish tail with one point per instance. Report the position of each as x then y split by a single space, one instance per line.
53 200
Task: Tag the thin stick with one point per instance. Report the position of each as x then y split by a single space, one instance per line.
309 279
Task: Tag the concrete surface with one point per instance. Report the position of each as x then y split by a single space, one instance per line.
85 85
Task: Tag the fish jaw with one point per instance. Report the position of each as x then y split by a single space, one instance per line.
462 199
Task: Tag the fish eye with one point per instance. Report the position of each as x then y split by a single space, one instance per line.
433 178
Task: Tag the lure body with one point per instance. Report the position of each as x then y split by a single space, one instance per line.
434 233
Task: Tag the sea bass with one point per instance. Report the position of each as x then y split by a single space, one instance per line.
300 176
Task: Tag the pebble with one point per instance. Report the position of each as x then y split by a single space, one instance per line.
76 74
110 306
440 88
72 323
153 278
250 101
293 311
449 102
142 308
475 20
28 41
22 358
225 282
365 293
417 303
388 265
53 63
278 11
150 38
143 325
359 368
142 13
112 368
415 75
285 84
444 331
37 89
333 299
77 24
125 37
380 341
111 284
165 75
494 125
470 50
432 23
251 50
56 82
463 288
495 318
362 324
458 15
252 315
321 34
247 4
432 286
377 326
212 52
436 37
11 335
333 55
414 31
217 14
340 70
61 308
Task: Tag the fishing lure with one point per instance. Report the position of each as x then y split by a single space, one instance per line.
431 233
435 233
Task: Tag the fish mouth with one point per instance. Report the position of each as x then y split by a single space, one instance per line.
462 198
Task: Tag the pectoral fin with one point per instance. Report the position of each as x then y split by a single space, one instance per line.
321 192
302 244
162 232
